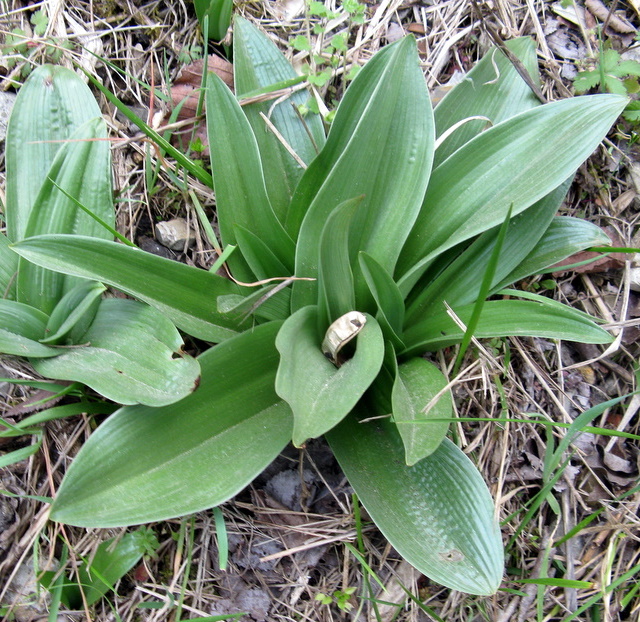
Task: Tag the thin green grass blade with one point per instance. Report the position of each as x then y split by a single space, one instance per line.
483 292
189 165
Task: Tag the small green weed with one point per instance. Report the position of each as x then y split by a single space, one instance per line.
611 73
20 48
333 55
339 597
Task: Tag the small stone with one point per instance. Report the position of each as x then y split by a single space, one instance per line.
175 234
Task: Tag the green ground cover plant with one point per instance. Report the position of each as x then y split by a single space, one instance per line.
352 255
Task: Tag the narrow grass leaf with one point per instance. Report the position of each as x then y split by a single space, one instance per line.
189 165
488 275
198 440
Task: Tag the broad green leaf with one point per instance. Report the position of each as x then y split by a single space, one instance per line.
21 328
51 104
515 163
259 64
502 318
492 89
73 315
8 269
241 196
346 121
149 464
416 388
335 277
218 14
387 296
460 282
131 354
320 394
82 170
385 156
437 514
184 294
564 237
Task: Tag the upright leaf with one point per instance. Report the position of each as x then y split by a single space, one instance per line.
241 196
437 514
473 189
186 457
8 269
21 328
52 103
335 277
80 173
384 155
321 395
259 64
